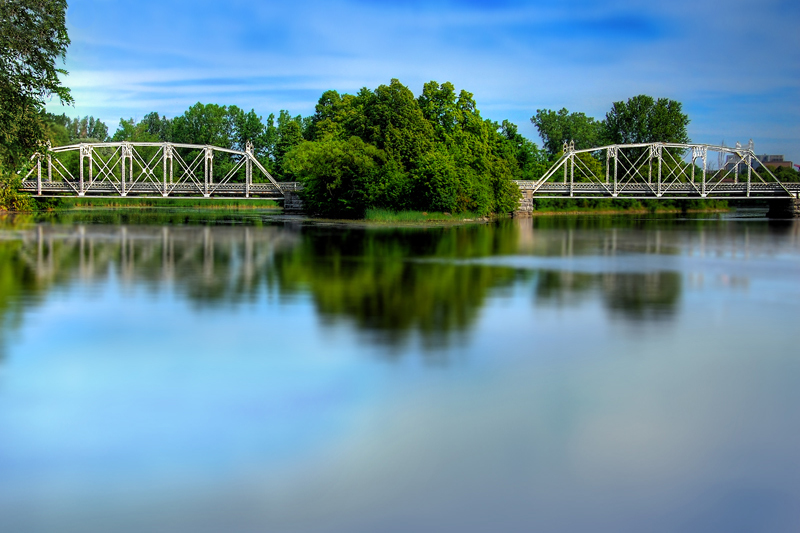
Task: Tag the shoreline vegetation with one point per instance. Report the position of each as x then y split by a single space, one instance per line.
381 216
66 203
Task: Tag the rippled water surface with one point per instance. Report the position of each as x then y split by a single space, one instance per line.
169 371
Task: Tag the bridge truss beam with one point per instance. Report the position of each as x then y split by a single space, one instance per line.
632 171
151 169
658 171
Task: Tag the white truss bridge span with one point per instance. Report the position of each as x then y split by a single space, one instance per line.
631 171
153 170
659 171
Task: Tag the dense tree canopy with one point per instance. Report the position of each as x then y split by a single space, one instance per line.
557 128
387 148
642 119
33 36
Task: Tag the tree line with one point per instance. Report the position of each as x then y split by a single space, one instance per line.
380 148
386 148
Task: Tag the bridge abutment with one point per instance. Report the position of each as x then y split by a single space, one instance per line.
292 204
525 208
784 208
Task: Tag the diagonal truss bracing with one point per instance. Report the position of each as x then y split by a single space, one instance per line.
142 168
659 170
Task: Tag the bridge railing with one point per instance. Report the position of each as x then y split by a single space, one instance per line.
123 168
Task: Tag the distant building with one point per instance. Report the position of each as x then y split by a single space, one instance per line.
770 160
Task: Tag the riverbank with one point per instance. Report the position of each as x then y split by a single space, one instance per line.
377 217
387 216
58 203
599 212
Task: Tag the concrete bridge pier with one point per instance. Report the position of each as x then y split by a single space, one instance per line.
525 208
292 204
784 208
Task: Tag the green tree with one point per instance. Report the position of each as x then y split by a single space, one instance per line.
395 123
642 119
436 152
288 134
56 133
33 35
785 174
557 128
130 130
158 126
341 178
438 104
531 161
203 124
247 127
77 129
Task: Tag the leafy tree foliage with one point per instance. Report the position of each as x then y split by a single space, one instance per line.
77 129
157 126
287 134
531 159
785 174
557 128
33 35
433 153
130 130
342 178
642 119
11 199
204 124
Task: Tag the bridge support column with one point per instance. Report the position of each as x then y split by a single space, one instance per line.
127 153
39 176
788 208
166 155
248 169
209 170
80 176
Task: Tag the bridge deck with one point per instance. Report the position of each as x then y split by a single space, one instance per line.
107 189
652 190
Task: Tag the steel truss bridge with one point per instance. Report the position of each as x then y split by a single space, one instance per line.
631 171
152 170
659 171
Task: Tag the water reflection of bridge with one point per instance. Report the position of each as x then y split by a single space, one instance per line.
398 283
218 256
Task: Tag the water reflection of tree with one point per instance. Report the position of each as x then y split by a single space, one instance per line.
397 282
634 296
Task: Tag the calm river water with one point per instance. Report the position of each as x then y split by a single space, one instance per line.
160 371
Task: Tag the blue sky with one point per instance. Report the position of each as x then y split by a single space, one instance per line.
734 65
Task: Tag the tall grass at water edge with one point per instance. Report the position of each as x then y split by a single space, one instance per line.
186 203
389 216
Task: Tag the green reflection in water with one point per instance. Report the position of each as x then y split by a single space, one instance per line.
632 296
381 280
396 283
